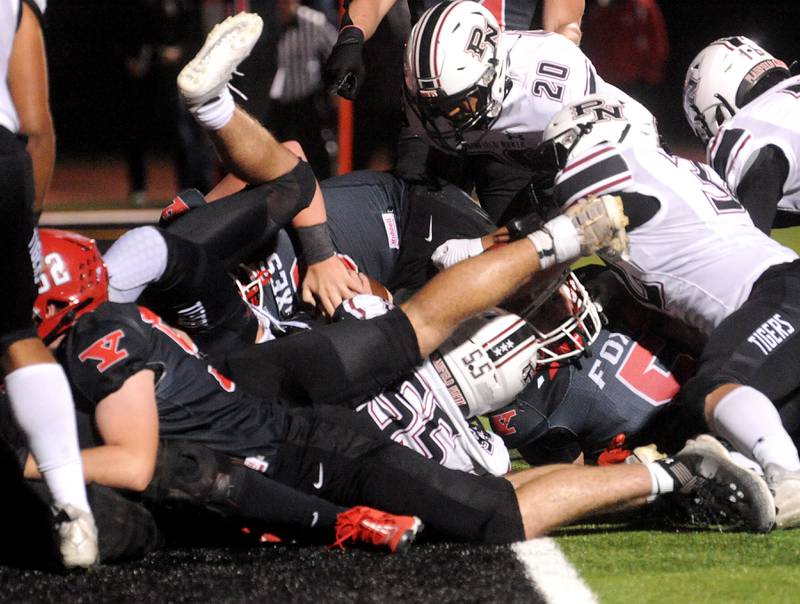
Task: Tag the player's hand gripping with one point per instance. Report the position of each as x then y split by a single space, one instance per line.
328 283
344 70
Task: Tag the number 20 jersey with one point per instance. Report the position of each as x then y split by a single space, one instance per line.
546 71
771 119
697 257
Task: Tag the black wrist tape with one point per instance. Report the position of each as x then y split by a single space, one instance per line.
316 243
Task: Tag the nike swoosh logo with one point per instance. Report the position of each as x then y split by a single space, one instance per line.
318 485
429 238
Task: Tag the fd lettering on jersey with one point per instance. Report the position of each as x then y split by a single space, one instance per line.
106 350
771 333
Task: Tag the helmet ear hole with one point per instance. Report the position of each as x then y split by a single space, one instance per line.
719 115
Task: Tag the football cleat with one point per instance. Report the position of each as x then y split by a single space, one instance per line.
600 222
367 525
77 535
181 203
227 45
785 486
719 491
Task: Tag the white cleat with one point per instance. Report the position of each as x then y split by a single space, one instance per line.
77 537
601 223
726 489
227 45
785 486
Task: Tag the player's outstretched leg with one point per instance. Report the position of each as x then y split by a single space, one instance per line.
370 526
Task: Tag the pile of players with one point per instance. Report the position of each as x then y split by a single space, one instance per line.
206 380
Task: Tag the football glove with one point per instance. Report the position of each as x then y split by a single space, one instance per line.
344 70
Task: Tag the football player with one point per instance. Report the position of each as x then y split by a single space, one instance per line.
495 183
744 105
141 379
576 406
696 256
36 386
472 88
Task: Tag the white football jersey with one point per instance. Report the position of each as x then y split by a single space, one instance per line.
421 414
9 19
698 256
546 72
773 118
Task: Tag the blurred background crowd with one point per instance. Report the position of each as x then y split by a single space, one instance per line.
113 67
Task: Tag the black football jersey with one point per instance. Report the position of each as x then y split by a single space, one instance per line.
581 406
194 400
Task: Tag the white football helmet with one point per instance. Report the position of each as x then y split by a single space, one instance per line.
455 70
723 78
596 119
488 360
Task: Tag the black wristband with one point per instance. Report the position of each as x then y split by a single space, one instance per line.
316 243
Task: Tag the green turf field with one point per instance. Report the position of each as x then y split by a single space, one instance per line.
636 567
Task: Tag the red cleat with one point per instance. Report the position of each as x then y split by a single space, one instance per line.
367 525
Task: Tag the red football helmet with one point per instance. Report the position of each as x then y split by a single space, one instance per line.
74 281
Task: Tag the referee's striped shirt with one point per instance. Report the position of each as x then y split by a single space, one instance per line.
302 50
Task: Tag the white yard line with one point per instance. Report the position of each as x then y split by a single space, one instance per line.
554 577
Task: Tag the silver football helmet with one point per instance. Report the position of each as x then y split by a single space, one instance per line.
723 78
454 70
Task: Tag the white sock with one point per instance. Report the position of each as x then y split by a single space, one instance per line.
42 403
660 480
557 241
134 261
749 421
217 112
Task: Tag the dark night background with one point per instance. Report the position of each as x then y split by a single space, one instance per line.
83 41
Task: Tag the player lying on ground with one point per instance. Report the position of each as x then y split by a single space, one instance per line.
696 256
142 379
742 103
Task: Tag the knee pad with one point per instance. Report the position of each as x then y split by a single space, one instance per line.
191 473
136 259
196 294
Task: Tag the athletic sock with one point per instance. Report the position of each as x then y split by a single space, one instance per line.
217 112
749 421
661 478
42 403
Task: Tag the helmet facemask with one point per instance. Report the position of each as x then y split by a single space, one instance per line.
565 319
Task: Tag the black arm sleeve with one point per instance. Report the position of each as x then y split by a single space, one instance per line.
762 186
